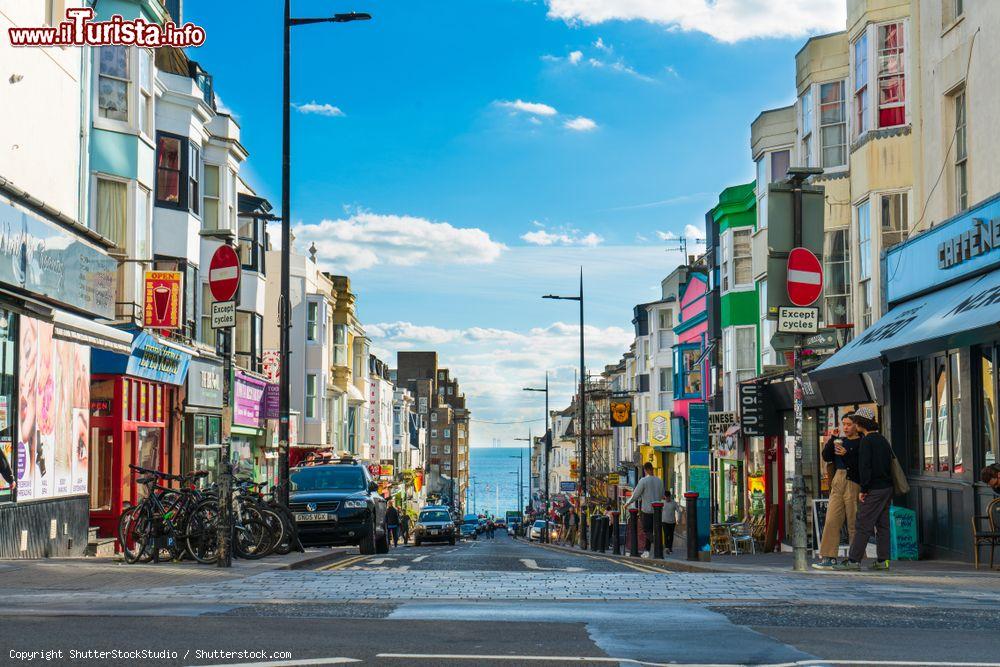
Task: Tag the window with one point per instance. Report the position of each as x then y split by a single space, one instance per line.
143 216
953 10
113 83
895 220
249 340
666 387
665 339
191 286
9 394
665 317
938 411
961 154
231 197
339 344
742 260
687 384
861 85
210 199
112 210
451 390
987 385
310 406
767 327
252 239
780 162
208 336
312 315
746 354
806 121
207 432
171 169
837 276
864 240
434 416
434 433
833 124
434 450
146 96
762 180
865 293
447 434
891 75
194 174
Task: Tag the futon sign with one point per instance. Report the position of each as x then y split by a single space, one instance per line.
981 239
751 410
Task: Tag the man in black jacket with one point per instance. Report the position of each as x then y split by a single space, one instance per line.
875 498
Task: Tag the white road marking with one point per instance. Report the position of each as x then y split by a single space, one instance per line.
419 558
643 663
532 564
293 663
381 568
379 561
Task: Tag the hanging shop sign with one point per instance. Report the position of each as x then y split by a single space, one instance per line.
567 487
621 412
613 478
698 427
720 422
751 410
270 361
659 428
204 384
154 360
162 306
249 401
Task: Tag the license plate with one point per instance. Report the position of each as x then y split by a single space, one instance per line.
435 532
312 516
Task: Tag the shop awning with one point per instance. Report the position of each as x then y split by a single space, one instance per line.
88 332
354 394
960 315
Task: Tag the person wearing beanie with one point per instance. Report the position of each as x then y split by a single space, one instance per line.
841 453
875 496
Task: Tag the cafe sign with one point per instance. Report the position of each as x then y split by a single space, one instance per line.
983 237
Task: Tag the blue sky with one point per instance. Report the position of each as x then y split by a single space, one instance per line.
458 159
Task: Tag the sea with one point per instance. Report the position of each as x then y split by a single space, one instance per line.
493 479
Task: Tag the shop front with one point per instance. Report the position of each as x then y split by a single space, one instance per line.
254 404
51 283
203 418
132 398
936 352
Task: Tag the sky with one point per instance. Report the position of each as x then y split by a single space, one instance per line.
458 159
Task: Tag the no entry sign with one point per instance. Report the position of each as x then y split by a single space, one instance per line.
224 273
805 277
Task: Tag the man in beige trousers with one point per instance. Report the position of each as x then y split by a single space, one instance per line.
841 453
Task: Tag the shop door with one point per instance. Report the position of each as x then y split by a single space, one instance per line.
149 449
101 468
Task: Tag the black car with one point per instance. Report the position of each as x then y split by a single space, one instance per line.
338 504
434 524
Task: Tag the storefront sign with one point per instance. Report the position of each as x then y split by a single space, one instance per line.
385 470
751 410
698 427
659 428
163 300
272 401
153 360
719 423
45 259
613 478
567 487
204 384
982 237
248 401
621 412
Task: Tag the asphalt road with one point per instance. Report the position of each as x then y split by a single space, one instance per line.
452 605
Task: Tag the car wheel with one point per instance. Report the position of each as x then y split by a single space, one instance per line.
416 542
367 544
382 543
451 541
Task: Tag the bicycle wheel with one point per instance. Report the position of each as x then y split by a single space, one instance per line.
201 532
276 526
135 534
251 538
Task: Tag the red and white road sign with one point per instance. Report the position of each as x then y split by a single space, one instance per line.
805 277
224 273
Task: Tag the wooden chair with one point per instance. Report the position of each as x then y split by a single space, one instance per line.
986 530
719 538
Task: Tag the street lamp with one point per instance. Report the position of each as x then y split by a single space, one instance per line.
520 483
284 310
548 449
583 415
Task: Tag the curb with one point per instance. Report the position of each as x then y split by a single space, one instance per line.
672 565
314 561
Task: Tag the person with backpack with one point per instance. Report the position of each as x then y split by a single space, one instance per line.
875 462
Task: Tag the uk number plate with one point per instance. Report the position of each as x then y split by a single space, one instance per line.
312 516
435 532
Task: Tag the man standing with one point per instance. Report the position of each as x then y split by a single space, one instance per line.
875 498
842 452
669 521
404 525
649 490
392 523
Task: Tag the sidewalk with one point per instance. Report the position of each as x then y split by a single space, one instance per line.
109 574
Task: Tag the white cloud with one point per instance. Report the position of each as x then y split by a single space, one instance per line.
666 236
694 232
580 124
669 69
313 107
535 108
725 20
562 237
575 57
365 239
601 46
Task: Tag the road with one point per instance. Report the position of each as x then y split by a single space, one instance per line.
505 602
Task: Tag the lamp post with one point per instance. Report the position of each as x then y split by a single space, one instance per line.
548 449
284 307
520 470
583 415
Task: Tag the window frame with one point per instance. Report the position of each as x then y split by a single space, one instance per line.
902 74
253 356
312 320
309 409
182 173
207 224
128 124
823 147
828 264
903 231
860 91
256 243
960 115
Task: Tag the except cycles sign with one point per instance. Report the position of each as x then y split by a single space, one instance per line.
224 282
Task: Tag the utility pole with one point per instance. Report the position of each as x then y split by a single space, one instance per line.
799 549
548 450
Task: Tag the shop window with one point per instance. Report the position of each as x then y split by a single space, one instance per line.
207 435
938 410
987 386
837 258
171 170
8 396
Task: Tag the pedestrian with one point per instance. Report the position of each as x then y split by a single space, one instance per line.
404 525
669 521
649 490
991 477
875 498
841 455
574 524
392 523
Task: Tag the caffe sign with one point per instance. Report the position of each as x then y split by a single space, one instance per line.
981 239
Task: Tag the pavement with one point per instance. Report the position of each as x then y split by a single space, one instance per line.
498 601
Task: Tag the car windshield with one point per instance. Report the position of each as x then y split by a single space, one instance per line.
471 518
328 478
434 516
539 524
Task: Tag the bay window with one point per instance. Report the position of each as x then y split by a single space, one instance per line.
833 124
806 124
837 277
114 83
210 199
171 170
894 218
861 85
311 391
891 75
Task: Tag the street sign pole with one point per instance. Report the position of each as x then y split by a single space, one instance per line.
798 482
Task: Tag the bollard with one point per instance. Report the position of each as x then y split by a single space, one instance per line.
602 544
592 545
691 500
616 537
633 520
657 537
595 541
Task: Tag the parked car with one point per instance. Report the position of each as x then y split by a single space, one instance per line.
338 503
470 527
434 524
535 533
